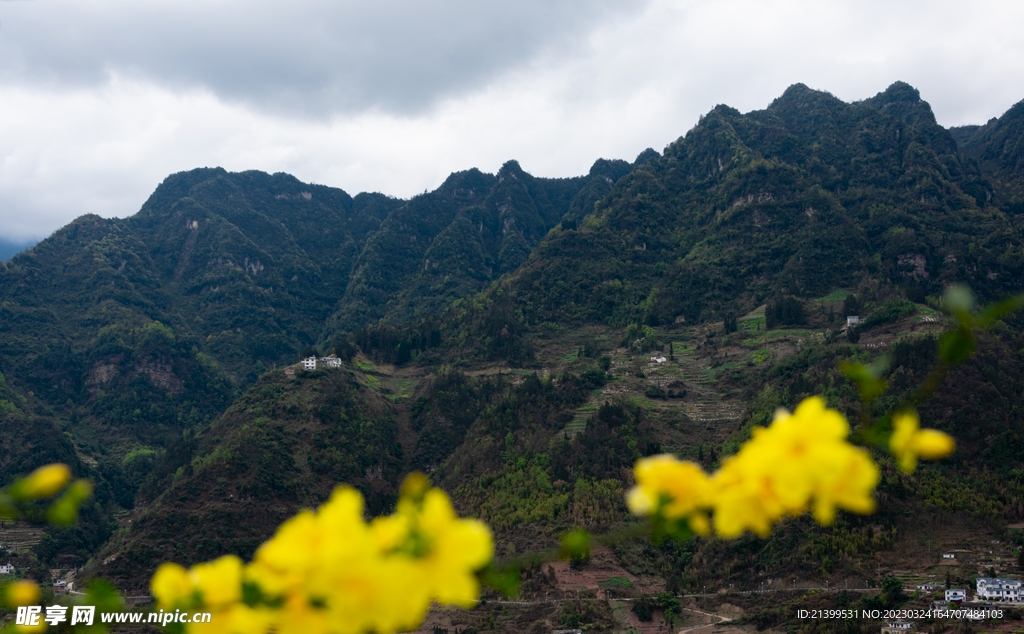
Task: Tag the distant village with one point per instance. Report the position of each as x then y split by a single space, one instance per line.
60 586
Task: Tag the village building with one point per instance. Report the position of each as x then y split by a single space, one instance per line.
956 595
998 589
930 586
897 627
311 363
7 569
330 361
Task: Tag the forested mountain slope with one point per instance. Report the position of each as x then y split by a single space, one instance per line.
452 242
221 276
806 196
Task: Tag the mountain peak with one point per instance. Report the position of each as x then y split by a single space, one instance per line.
800 96
649 154
510 167
903 101
899 91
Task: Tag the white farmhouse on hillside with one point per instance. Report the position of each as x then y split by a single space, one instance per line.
956 595
311 363
998 589
897 627
331 361
7 569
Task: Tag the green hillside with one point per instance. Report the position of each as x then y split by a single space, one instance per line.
809 195
452 242
282 445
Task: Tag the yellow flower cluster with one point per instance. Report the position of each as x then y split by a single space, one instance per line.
329 571
802 461
19 593
22 592
908 441
46 481
675 489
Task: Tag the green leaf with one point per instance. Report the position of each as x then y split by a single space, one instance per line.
662 528
868 377
956 345
103 595
504 581
877 435
7 508
64 511
997 311
575 545
959 302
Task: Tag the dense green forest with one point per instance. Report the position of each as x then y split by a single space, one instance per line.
523 341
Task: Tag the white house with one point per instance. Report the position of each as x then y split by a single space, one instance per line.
312 363
852 320
331 361
897 627
931 586
948 556
956 595
999 589
7 569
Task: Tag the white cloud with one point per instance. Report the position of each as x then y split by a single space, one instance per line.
98 137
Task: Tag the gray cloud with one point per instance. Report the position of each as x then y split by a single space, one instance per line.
309 59
101 100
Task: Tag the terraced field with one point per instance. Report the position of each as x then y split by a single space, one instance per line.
19 537
579 421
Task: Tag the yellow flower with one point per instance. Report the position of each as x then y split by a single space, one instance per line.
673 487
802 461
389 532
743 497
215 584
46 481
328 571
908 442
22 592
335 573
31 629
219 582
172 585
812 463
848 485
457 549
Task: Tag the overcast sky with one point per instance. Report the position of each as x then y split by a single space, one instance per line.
101 99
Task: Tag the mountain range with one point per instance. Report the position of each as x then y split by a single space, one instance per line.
523 340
